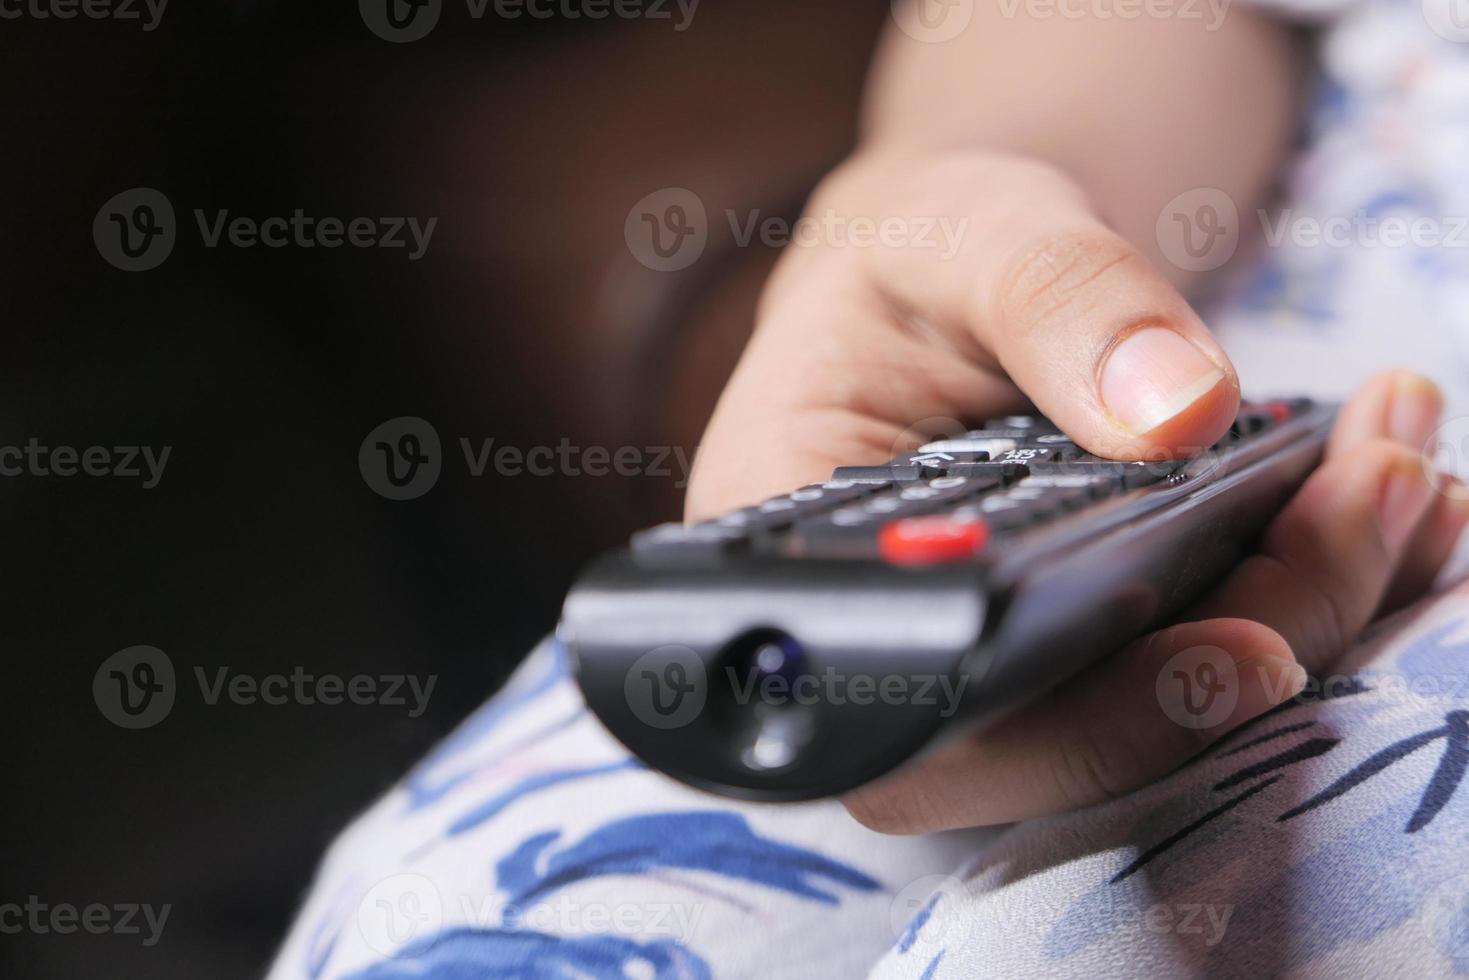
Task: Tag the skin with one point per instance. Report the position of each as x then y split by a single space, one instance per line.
1060 183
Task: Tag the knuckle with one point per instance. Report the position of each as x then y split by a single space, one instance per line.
1062 276
1320 617
1381 455
1094 769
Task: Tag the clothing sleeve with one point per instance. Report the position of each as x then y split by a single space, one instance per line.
530 844
1324 838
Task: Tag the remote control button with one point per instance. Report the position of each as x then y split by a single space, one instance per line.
1093 487
1055 439
850 532
999 513
937 464
707 541
1003 473
876 474
1029 423
1039 455
1129 475
1252 420
931 540
986 446
947 488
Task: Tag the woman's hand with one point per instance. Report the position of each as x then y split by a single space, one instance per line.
1365 534
1040 303
1035 301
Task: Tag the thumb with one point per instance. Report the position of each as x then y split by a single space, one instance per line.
1079 320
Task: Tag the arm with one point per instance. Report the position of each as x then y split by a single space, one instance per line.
1135 111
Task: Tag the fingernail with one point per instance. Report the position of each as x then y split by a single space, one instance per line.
1413 410
1263 683
1153 375
1404 499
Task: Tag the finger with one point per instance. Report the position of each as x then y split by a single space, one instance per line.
1113 728
1077 317
1325 563
1405 407
830 379
1397 405
854 346
1432 545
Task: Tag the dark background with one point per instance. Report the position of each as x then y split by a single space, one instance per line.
262 549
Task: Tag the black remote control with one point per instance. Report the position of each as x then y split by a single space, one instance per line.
807 645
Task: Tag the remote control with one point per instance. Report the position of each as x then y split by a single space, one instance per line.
806 645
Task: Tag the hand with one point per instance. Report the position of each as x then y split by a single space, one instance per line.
1042 304
1039 303
1365 534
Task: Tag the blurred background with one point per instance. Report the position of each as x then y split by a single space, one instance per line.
263 550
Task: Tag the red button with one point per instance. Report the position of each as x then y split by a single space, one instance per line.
1280 410
931 540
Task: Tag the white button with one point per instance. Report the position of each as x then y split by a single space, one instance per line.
992 446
